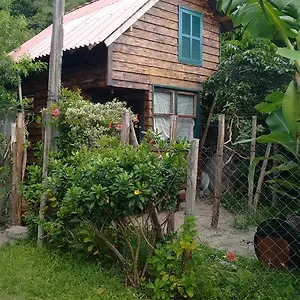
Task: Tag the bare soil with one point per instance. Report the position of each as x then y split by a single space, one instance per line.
225 237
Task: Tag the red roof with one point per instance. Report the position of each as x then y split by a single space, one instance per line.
90 24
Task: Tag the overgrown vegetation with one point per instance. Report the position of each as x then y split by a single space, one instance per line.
173 265
5 178
102 195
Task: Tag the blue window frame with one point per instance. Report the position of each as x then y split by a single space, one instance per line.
184 103
190 36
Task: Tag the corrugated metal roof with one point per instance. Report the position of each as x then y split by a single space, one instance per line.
96 22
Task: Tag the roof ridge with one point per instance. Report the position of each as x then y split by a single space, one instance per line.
89 7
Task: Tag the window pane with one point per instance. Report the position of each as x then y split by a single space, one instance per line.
162 124
185 128
196 26
196 50
186 23
185 105
186 47
162 103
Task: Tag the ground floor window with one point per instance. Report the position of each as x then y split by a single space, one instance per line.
168 102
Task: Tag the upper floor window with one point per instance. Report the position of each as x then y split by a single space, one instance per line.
190 36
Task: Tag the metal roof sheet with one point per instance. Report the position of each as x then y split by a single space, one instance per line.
93 23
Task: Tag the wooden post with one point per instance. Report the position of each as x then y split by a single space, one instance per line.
17 147
133 137
125 128
261 177
173 134
218 173
252 157
173 127
54 84
192 178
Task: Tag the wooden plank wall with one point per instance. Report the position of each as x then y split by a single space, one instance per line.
148 53
81 69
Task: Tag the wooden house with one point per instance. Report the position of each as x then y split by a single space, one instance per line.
154 54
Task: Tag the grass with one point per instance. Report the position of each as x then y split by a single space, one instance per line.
32 273
244 220
245 278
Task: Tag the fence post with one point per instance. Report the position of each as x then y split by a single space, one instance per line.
17 146
261 177
192 178
218 172
252 157
133 137
173 133
125 128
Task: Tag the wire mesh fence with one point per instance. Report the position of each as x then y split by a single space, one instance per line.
259 215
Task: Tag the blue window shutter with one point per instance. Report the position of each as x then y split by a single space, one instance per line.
190 36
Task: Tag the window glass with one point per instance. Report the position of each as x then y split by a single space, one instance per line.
185 104
162 124
162 103
185 128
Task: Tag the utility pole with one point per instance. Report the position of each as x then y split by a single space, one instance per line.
54 84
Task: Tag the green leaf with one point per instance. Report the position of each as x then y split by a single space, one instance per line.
277 122
291 109
289 53
273 102
190 291
90 248
281 138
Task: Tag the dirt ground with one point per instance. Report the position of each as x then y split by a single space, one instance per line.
225 237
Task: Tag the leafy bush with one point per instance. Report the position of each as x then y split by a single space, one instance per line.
5 177
81 123
172 266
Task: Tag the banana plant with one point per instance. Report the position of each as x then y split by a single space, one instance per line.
279 21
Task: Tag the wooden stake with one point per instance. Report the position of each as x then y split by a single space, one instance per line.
53 94
133 137
218 172
252 157
173 127
173 135
261 177
125 128
192 178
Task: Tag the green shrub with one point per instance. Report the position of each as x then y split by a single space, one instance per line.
5 179
172 266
